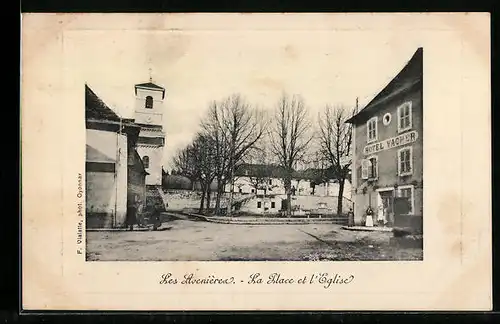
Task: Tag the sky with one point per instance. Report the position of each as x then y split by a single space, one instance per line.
198 66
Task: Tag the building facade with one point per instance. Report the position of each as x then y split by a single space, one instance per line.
149 108
114 173
261 190
387 170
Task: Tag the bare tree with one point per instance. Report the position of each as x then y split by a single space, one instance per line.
234 127
212 127
335 138
289 137
201 155
260 170
183 164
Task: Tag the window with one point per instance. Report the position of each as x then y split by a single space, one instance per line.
371 126
407 192
387 119
405 161
369 168
273 204
365 169
259 204
240 190
145 161
270 181
253 190
149 102
404 117
373 168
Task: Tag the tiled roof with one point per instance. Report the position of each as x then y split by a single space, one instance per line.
276 171
408 77
259 170
95 108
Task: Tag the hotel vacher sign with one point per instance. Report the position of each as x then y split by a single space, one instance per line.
387 144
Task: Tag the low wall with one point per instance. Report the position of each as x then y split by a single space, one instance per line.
182 199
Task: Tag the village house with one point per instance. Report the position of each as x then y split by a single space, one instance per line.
387 162
114 172
261 190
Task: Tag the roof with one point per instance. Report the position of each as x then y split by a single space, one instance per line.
152 86
259 170
406 79
276 171
99 116
95 108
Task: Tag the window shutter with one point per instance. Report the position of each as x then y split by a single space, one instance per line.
374 168
399 162
365 168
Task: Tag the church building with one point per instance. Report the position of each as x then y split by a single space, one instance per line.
114 172
123 156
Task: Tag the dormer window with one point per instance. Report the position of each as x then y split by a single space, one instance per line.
371 127
404 117
149 102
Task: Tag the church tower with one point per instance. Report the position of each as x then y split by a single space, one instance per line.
149 109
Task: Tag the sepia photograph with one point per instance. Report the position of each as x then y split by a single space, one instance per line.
264 172
239 162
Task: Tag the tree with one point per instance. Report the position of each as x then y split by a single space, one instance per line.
197 162
184 164
260 171
203 159
289 137
212 127
234 128
335 138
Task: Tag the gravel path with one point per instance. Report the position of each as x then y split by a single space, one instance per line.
202 241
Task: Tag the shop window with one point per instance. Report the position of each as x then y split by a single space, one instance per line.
404 117
405 161
371 126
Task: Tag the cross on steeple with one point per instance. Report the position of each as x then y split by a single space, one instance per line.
150 75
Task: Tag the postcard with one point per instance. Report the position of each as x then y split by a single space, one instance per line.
256 161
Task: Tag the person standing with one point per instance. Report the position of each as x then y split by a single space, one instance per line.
139 207
350 218
131 214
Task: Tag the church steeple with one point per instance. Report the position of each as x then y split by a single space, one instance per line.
149 111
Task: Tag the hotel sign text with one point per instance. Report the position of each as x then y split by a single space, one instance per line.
390 143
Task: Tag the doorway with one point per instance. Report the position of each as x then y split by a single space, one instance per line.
385 206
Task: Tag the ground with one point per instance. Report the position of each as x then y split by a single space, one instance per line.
203 241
